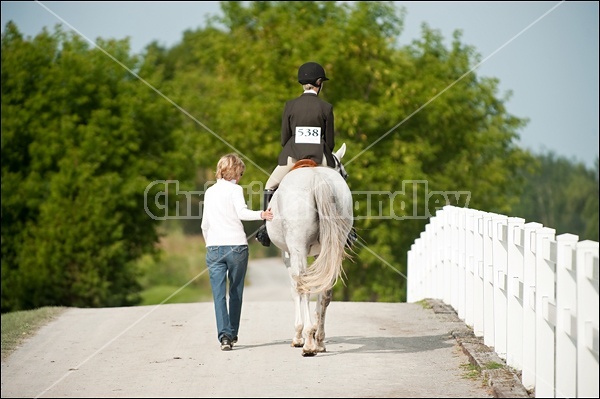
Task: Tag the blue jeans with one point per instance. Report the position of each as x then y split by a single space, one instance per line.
227 262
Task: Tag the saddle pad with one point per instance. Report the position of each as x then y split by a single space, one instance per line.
305 163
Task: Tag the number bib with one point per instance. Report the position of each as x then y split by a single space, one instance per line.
308 135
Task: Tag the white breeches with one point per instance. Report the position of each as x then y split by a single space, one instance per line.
281 170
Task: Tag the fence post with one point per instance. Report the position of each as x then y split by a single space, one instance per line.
431 261
411 275
448 287
461 262
421 266
500 263
587 319
439 253
427 262
469 267
514 293
478 297
529 318
455 275
415 272
431 248
545 309
488 284
566 316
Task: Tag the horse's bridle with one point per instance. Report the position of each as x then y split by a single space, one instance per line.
339 167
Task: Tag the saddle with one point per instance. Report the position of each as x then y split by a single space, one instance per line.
304 163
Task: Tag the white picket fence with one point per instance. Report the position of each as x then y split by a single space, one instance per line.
533 297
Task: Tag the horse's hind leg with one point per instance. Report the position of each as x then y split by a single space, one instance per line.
321 308
310 347
297 340
304 328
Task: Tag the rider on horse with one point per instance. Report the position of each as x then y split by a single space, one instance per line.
307 132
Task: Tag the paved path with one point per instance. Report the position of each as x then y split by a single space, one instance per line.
373 350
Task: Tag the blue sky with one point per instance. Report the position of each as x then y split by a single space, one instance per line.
544 52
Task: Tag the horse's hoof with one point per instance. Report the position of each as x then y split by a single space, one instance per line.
308 354
296 345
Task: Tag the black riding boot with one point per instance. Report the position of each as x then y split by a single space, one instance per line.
262 236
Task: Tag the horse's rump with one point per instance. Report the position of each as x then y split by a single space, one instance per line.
316 199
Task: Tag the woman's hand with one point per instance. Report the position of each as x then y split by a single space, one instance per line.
266 215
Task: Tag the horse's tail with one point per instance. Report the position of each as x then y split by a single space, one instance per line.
334 226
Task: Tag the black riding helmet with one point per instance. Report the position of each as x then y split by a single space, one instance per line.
310 72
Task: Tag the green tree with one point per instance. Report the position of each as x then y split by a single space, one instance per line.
82 140
561 194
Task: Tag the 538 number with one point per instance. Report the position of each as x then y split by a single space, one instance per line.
308 134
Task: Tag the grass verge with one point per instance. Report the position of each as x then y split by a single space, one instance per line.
20 325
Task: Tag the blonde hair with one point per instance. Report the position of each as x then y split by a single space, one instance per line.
230 167
315 86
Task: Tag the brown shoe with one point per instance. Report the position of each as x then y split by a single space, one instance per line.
226 344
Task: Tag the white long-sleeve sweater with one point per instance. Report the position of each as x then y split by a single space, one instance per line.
224 209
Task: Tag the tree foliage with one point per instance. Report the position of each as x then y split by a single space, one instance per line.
82 138
561 194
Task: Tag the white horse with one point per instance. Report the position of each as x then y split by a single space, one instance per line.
312 210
